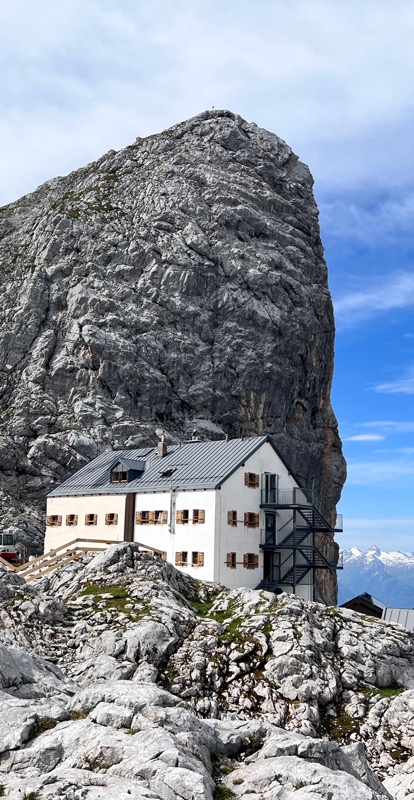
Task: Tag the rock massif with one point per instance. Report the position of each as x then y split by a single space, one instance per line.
179 282
120 674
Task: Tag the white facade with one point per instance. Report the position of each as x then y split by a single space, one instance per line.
215 539
68 518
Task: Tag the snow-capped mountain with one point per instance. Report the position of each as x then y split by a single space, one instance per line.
388 576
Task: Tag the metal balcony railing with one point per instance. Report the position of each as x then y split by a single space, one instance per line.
287 497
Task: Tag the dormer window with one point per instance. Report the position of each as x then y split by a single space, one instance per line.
119 477
126 470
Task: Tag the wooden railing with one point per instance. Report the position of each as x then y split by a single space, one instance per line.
59 556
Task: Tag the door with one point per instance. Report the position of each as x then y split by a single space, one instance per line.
270 528
271 566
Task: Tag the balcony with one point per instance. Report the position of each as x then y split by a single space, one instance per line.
286 498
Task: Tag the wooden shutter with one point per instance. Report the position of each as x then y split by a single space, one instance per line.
179 517
164 518
59 521
245 559
201 515
256 480
48 520
200 559
138 517
256 520
256 560
164 555
151 517
246 518
229 518
246 478
178 559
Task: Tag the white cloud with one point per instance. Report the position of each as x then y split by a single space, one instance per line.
377 472
403 385
365 437
333 79
389 426
370 221
380 297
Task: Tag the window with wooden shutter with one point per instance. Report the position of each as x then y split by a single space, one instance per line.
231 560
251 519
183 516
181 559
197 559
111 519
232 518
198 516
71 520
160 517
250 560
91 519
54 520
251 479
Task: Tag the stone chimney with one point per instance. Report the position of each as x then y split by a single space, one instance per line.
162 448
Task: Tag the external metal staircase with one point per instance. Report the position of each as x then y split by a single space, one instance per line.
301 543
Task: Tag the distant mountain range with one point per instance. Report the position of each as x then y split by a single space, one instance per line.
388 576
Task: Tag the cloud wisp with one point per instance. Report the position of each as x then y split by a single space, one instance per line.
384 295
364 437
404 385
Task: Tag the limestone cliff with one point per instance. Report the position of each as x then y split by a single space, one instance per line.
179 282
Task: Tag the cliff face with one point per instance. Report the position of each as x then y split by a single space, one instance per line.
179 282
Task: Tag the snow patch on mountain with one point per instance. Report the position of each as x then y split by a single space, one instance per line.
388 575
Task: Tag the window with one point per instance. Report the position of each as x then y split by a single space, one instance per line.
181 559
197 559
251 520
54 520
91 519
231 560
143 517
71 519
182 517
167 472
232 518
198 516
111 519
251 560
119 477
251 479
160 517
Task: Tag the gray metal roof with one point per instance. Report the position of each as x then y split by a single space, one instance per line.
191 465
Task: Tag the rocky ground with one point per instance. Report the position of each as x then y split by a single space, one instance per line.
121 677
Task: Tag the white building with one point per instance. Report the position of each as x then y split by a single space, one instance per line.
226 511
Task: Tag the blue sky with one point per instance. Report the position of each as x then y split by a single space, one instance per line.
335 80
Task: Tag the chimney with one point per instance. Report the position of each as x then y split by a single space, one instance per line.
162 448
